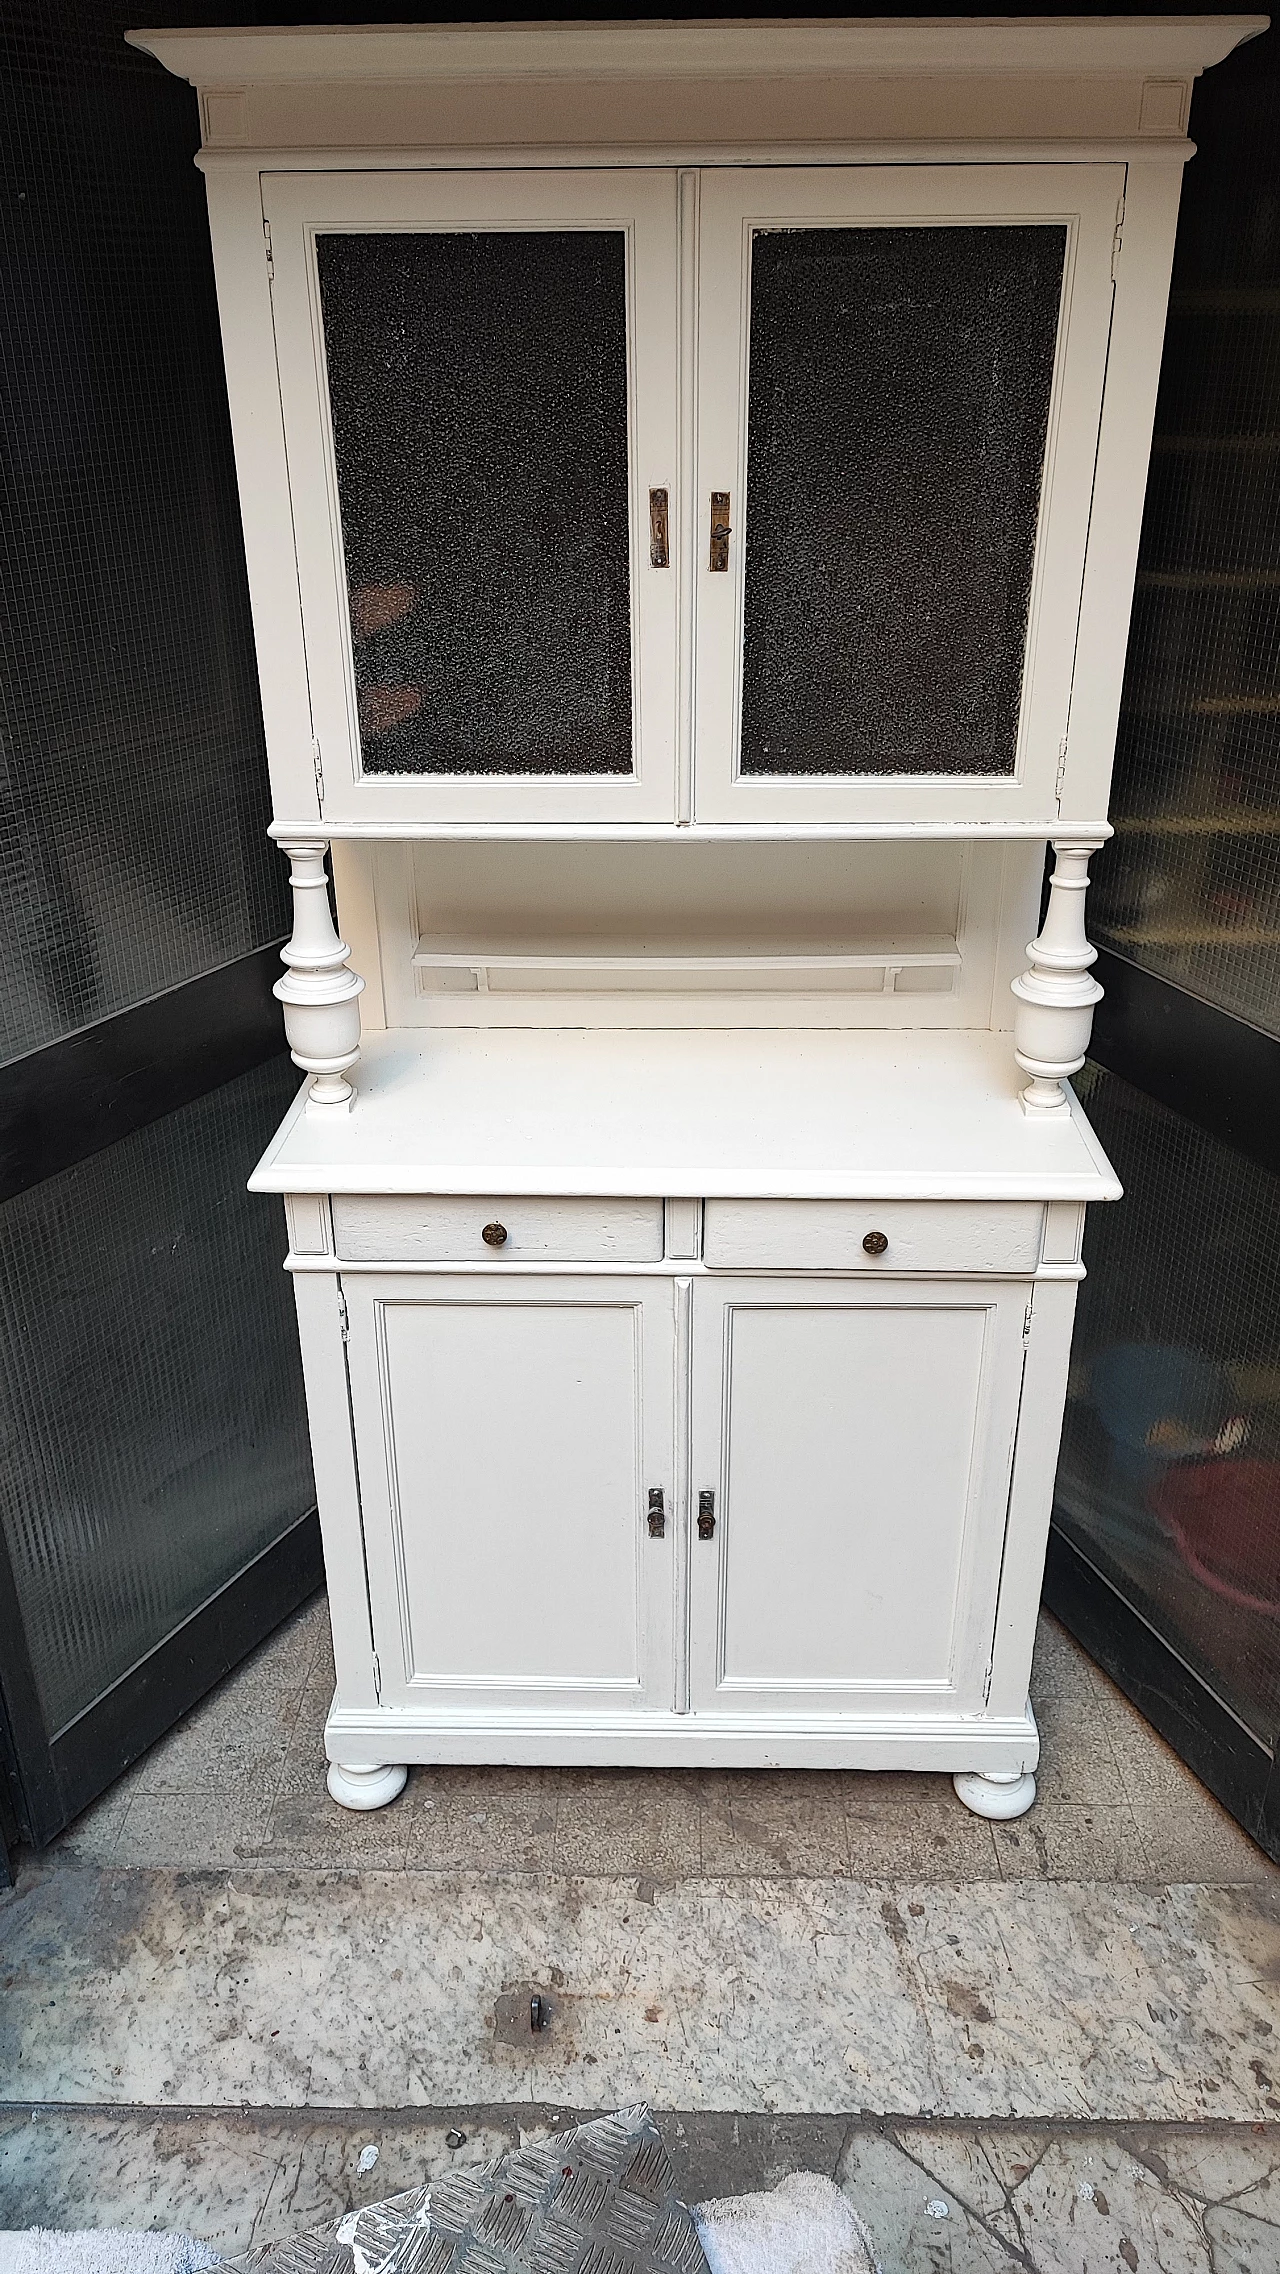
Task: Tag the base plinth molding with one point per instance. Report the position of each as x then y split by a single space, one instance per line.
997 1796
365 1788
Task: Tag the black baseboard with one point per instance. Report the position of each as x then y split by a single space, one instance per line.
110 1735
1237 1769
1215 1070
60 1104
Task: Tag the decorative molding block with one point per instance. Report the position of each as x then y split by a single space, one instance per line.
309 1223
1056 997
321 997
1165 103
225 114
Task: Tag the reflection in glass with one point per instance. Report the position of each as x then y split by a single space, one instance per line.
478 386
1190 888
899 401
1169 1480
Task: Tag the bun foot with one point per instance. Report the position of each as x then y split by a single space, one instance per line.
365 1788
997 1795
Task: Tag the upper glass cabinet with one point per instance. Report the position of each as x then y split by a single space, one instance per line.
479 379
854 597
900 381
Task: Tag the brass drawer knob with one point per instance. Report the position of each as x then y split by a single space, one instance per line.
494 1235
875 1243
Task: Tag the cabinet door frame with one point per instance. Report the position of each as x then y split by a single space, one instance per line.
369 1297
734 201
642 203
1006 1305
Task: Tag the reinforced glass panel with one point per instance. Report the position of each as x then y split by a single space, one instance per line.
153 1436
1169 1479
1190 886
899 404
478 386
133 787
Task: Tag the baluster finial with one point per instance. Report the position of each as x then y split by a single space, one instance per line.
1056 996
321 997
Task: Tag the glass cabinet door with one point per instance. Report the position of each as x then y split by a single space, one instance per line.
900 377
479 378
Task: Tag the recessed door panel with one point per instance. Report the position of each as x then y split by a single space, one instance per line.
508 1444
479 380
901 375
858 1447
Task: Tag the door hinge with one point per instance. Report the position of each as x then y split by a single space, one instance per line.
1061 775
1026 1319
1117 239
343 1320
377 1678
266 238
318 763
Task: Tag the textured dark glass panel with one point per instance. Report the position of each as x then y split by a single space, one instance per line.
900 383
133 795
478 385
1190 886
153 1437
1169 1479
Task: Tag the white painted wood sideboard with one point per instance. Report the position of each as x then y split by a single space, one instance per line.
691 478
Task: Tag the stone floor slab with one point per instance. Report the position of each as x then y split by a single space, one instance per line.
940 2198
378 1989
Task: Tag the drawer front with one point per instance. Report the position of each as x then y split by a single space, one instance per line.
406 1228
1001 1237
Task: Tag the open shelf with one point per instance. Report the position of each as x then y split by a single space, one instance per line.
923 966
790 1113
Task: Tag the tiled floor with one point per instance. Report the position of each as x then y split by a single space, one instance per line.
241 1781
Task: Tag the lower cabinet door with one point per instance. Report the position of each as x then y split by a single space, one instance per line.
858 1441
508 1436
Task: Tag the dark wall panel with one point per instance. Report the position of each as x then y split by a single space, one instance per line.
152 1433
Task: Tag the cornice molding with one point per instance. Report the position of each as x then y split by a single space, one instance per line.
746 48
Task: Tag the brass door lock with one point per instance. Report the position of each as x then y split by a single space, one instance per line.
721 531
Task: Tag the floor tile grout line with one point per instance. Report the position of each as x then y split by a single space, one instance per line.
412 2114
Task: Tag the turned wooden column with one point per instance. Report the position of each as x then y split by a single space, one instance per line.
321 997
1057 994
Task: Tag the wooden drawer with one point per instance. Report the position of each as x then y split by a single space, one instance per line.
406 1228
827 1235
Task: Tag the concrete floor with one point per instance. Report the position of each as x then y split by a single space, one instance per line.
1049 2045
